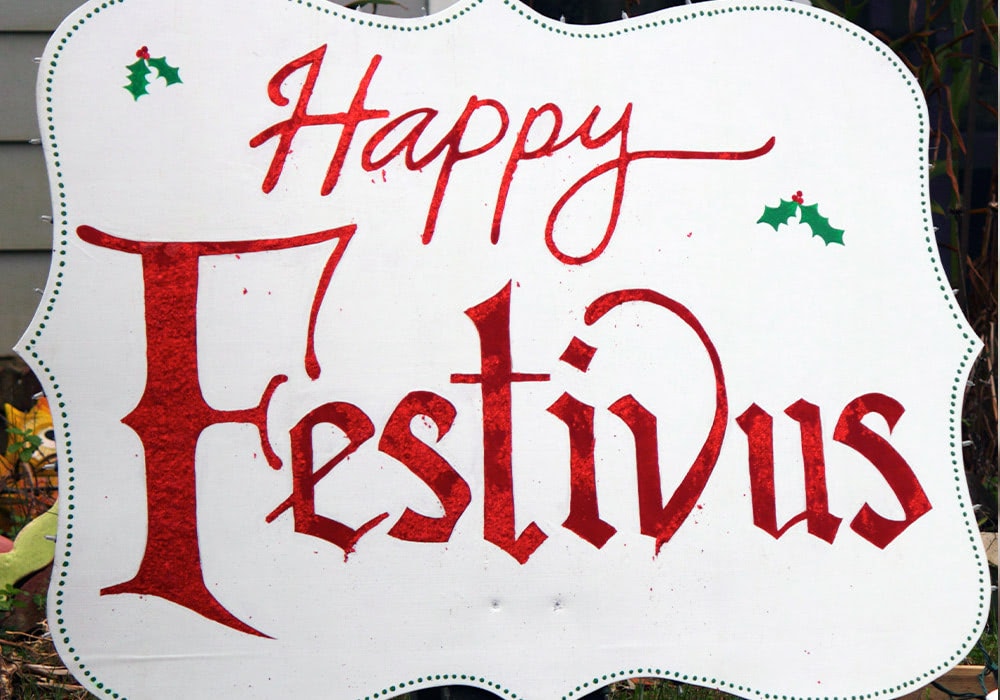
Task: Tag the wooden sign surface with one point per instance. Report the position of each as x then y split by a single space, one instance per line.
483 349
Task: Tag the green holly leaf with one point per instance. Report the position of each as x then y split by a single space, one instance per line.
820 225
138 79
165 70
775 216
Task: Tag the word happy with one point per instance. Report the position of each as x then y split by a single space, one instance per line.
403 137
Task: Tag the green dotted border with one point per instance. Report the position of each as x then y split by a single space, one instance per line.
67 469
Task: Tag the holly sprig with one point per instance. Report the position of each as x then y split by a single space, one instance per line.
138 72
808 214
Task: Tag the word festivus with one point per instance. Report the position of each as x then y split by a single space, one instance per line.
440 344
173 387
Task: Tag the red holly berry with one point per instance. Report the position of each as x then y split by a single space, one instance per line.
143 53
797 197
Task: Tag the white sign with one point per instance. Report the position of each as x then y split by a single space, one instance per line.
483 349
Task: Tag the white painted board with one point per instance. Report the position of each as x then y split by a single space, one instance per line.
468 349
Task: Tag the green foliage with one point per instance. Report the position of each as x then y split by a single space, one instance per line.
9 599
31 670
16 521
22 443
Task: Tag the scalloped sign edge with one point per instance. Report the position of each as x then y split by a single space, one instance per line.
27 347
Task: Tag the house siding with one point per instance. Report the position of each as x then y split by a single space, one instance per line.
25 207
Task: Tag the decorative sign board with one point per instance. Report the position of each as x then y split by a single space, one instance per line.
482 349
